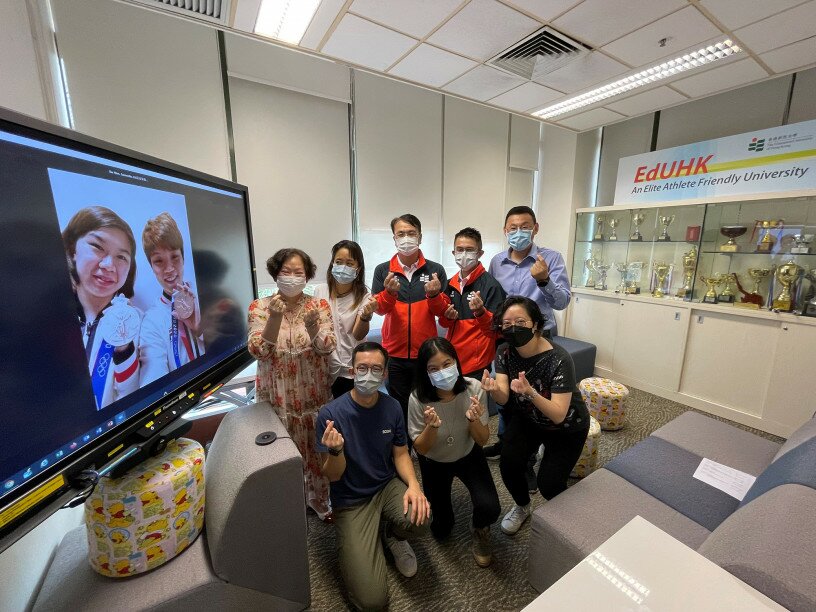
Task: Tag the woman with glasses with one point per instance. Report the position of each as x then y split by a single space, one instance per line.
352 308
291 336
535 381
447 420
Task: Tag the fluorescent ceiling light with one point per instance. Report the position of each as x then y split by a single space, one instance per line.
687 61
285 20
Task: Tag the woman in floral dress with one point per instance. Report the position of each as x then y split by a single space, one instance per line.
291 335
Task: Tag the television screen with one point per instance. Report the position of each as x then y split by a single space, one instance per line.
123 280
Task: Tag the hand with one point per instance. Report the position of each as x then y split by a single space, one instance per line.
488 383
451 313
476 304
419 505
475 410
391 284
433 286
521 386
540 270
431 418
312 321
332 438
370 308
277 306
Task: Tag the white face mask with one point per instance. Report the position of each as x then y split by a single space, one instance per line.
466 259
290 285
368 383
407 245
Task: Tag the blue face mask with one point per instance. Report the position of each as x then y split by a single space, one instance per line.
344 274
520 239
445 378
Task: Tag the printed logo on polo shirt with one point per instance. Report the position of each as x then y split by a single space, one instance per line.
424 278
386 431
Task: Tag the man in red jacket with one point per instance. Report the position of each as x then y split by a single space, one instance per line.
401 287
467 304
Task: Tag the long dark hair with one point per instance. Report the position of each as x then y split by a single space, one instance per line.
93 218
425 390
358 284
532 309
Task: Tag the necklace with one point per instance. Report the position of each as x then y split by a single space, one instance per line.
450 439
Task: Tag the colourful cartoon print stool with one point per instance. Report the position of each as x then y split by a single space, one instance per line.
148 516
606 401
588 461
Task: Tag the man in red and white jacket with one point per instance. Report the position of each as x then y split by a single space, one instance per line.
467 305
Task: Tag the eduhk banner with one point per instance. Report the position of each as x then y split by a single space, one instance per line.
768 161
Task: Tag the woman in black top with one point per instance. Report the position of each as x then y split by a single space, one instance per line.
535 381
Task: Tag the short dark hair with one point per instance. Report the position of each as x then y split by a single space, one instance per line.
520 210
469 232
369 347
533 311
423 386
275 263
409 219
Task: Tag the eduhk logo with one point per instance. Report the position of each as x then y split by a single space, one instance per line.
756 145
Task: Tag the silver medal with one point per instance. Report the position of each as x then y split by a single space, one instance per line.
120 322
183 305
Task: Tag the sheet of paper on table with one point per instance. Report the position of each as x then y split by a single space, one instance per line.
726 479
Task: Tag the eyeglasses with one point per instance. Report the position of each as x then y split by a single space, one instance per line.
363 369
408 234
526 228
517 323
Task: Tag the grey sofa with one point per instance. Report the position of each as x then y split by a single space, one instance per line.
768 540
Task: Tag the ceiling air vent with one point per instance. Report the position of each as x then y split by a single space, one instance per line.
540 53
211 10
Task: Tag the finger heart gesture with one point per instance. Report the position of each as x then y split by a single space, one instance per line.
476 303
433 286
488 383
277 305
391 284
520 385
371 307
451 313
540 270
431 418
475 410
332 438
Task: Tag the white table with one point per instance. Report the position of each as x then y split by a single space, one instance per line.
644 568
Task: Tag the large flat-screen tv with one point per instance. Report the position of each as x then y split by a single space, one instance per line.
124 284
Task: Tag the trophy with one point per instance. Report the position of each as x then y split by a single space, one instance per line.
802 244
731 232
758 275
712 282
665 221
589 264
621 268
601 269
786 274
728 294
766 243
637 219
599 220
689 263
661 270
634 272
614 222
809 307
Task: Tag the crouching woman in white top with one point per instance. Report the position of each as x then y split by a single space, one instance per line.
447 420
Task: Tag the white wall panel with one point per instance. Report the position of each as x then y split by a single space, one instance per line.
524 137
621 140
21 88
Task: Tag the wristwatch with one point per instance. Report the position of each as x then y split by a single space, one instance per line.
335 453
543 283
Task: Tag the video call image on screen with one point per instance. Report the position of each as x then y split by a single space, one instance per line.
120 283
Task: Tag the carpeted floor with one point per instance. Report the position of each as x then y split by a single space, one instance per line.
448 578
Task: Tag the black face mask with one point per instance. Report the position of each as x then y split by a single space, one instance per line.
517 335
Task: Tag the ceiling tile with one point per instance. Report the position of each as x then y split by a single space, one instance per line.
683 29
591 119
598 22
737 13
321 22
779 30
648 101
792 56
414 17
718 79
546 10
362 42
592 69
483 28
525 97
431 66
483 83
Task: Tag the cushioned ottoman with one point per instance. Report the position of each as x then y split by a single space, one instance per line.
606 401
582 353
588 461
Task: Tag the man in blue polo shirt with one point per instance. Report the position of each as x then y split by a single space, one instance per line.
361 439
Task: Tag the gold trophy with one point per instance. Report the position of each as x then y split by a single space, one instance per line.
728 294
665 221
637 219
599 220
731 232
786 274
758 275
614 222
589 264
712 282
768 240
689 263
661 270
621 268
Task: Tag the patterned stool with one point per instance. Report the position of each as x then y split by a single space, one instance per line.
588 462
148 516
606 401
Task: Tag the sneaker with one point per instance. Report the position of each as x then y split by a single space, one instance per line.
404 557
482 548
529 473
493 452
514 519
